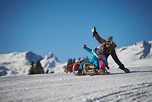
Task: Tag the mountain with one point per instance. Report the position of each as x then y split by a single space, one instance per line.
138 54
50 62
18 63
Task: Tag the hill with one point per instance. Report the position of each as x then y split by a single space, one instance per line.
62 87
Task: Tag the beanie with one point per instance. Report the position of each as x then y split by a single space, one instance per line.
109 39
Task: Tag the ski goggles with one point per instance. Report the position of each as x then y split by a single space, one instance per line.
109 42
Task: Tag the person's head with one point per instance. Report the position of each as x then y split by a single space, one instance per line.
109 41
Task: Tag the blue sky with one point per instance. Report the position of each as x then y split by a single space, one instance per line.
63 26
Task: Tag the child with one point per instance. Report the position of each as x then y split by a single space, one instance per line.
99 52
94 59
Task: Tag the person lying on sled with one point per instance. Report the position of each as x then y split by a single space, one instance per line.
94 59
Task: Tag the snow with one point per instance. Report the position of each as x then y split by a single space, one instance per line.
135 55
17 86
62 87
18 63
50 62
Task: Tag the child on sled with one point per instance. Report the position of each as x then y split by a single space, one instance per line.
97 55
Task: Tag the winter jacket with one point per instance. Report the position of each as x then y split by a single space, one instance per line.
93 59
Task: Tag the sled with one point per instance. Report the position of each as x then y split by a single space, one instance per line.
88 68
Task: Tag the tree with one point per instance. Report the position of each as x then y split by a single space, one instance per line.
31 71
38 68
79 59
73 60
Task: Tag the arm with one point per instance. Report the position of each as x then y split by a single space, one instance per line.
87 49
98 38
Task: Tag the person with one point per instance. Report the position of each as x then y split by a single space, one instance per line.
109 46
100 54
97 54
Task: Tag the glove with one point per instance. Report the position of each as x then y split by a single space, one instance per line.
94 31
84 46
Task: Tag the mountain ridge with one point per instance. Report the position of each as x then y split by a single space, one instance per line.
18 63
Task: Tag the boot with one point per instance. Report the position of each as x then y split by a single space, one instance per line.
94 31
79 72
124 69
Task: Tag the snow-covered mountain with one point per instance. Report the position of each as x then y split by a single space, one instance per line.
18 63
50 62
135 55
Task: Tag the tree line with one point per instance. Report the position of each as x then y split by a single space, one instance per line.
38 69
73 60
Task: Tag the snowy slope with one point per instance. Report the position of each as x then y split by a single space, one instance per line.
134 54
62 87
17 62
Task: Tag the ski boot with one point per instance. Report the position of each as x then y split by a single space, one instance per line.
124 69
79 72
94 31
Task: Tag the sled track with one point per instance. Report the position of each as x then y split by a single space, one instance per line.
136 93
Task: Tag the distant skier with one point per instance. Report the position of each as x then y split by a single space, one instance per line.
109 46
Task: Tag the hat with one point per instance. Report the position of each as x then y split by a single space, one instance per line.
109 39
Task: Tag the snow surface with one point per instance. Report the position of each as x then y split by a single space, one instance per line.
62 87
65 87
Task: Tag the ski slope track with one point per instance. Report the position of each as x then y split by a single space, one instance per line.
65 87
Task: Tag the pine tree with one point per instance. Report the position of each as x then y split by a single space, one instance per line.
38 68
31 70
73 61
79 59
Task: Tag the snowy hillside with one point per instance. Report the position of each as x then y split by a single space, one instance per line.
61 87
18 63
132 55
